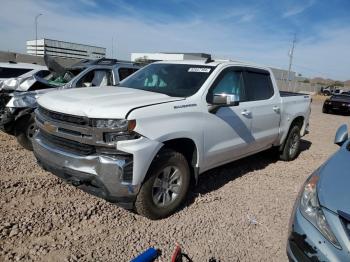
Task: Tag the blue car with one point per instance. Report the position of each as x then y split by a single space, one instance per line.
320 222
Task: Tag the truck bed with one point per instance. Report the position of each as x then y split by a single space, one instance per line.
286 93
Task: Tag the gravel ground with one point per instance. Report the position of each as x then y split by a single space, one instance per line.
239 212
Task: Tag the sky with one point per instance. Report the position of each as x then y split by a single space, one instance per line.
254 31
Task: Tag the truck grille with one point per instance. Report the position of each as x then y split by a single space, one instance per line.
68 145
77 120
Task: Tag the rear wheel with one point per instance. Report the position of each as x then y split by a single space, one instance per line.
25 131
165 187
291 148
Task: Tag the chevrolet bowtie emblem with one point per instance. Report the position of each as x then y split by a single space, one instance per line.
49 127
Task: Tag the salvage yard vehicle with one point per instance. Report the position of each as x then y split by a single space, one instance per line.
337 104
17 111
320 222
14 70
331 90
141 144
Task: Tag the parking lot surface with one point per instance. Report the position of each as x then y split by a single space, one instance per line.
238 212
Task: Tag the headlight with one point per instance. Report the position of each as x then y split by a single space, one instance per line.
25 100
115 124
11 83
312 211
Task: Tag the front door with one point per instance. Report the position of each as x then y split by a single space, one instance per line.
227 132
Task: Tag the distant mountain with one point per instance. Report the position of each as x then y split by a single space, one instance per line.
320 80
347 83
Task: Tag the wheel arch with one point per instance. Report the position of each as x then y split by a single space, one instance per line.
297 121
21 115
189 149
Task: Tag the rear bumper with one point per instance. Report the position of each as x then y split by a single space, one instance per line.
99 175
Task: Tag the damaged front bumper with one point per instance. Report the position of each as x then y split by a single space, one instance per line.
106 176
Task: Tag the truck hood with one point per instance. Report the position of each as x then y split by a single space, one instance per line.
334 182
101 102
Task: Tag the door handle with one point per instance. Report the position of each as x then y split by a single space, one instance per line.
276 109
245 112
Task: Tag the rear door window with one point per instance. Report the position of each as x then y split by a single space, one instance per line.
125 72
6 72
98 77
258 84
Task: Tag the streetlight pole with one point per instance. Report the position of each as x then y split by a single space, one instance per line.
36 34
291 54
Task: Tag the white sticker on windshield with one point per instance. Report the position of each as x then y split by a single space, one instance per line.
199 70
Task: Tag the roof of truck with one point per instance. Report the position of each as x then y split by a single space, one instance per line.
213 63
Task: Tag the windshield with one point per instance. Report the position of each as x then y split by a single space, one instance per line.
177 80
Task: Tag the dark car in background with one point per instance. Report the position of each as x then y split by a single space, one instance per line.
337 104
319 229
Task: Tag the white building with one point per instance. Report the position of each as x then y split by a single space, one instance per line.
167 56
57 48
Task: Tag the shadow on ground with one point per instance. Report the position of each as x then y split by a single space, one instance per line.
218 177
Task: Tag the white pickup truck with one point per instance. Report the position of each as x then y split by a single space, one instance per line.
140 145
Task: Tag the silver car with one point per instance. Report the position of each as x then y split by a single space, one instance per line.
320 222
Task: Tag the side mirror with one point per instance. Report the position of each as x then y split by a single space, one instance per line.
341 136
225 100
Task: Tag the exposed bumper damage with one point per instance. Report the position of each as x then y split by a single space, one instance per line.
116 178
13 106
7 119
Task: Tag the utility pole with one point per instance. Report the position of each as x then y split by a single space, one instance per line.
36 33
112 47
291 53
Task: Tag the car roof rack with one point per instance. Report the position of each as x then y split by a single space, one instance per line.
101 61
109 61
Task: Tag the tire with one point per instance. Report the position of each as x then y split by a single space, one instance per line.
153 195
291 148
25 129
325 111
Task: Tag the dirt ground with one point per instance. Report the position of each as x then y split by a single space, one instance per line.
239 212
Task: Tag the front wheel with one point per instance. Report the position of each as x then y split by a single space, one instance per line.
25 131
165 187
291 148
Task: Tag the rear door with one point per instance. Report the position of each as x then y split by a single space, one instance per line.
265 109
124 72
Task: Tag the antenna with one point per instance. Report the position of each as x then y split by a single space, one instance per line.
291 54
